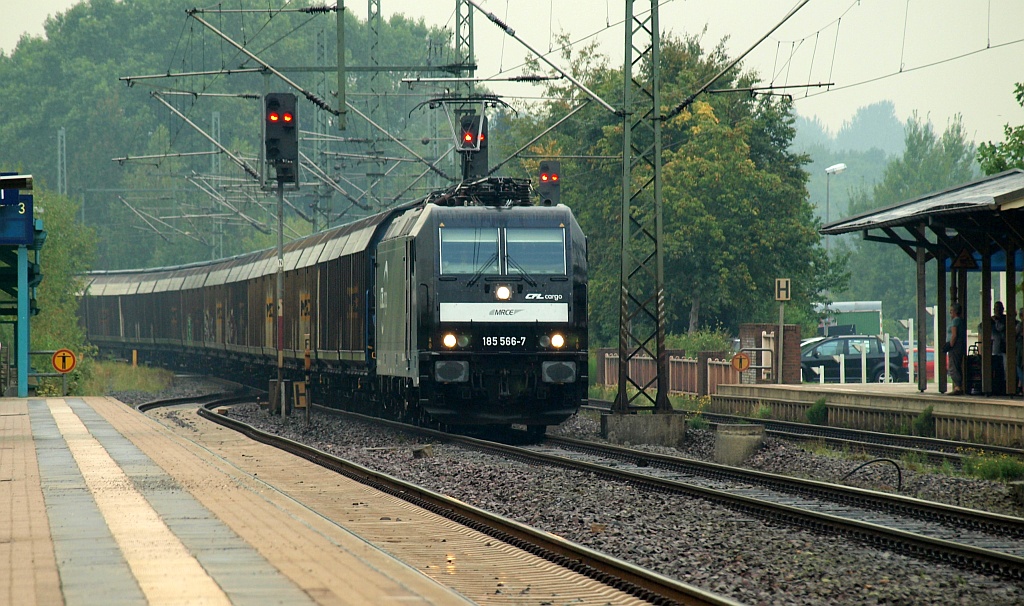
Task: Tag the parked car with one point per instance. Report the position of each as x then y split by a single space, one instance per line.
929 364
824 353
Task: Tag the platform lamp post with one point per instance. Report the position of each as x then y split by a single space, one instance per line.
835 169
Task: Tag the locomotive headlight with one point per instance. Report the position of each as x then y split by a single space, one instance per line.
557 341
545 341
503 293
449 340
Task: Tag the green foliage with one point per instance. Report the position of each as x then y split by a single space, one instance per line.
883 272
762 412
999 467
817 414
701 340
997 157
924 423
107 377
68 251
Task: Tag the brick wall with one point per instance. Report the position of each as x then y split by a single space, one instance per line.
750 336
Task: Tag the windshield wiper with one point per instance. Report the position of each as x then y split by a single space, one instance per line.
479 272
522 271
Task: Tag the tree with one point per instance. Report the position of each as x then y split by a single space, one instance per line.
883 272
66 254
997 157
736 213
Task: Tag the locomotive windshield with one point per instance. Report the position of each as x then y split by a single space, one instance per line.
535 251
523 251
468 250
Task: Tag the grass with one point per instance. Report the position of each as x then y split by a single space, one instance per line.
106 377
1001 467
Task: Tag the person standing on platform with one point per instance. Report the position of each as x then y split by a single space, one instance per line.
956 347
999 348
999 329
1020 350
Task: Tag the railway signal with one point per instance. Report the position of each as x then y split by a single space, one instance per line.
473 145
281 120
549 182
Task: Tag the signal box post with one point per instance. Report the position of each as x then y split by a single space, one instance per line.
281 137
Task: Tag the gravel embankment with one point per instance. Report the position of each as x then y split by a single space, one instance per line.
690 539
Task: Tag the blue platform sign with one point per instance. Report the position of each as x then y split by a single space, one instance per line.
16 221
9 196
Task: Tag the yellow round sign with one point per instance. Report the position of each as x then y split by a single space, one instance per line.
64 360
740 362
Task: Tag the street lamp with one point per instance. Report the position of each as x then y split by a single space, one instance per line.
835 169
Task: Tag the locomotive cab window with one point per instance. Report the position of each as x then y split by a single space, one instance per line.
535 251
467 250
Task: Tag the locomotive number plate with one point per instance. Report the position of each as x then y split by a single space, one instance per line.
504 341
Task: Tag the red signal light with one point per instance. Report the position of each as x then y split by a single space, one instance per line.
273 117
549 177
288 118
467 137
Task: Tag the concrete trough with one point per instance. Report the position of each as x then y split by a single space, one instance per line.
735 443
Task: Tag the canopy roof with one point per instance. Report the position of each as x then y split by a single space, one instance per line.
984 216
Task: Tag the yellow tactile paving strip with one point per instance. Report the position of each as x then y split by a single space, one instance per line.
164 569
28 568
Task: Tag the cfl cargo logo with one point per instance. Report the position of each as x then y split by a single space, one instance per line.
536 296
505 312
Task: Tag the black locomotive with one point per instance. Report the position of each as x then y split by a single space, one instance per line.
468 307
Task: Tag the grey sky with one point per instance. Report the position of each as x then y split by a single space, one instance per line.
870 49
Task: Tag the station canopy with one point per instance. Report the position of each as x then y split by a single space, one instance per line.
964 221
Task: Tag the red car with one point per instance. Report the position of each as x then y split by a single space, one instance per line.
929 364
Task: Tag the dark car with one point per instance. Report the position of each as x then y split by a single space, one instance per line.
825 353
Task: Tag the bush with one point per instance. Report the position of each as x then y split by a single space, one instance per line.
701 340
818 412
924 423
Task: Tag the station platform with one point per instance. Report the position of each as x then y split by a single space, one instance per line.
102 505
884 407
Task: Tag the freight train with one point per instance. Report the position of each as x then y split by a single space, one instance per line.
467 307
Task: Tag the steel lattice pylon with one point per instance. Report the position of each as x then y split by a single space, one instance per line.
641 296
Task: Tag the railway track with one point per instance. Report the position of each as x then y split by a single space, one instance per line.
623 576
979 541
